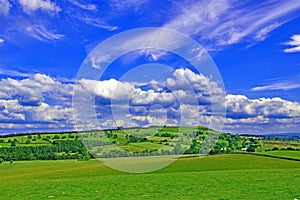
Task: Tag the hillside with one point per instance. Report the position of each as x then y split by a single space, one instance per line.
122 142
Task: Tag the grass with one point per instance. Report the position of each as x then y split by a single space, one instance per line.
211 177
148 145
141 146
284 153
269 144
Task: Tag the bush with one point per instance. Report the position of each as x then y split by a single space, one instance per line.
275 149
251 149
290 149
1 160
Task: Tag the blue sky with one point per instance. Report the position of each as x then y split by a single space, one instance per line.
254 44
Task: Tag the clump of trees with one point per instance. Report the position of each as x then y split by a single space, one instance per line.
60 149
226 143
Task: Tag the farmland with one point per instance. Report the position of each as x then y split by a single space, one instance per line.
60 166
132 142
224 176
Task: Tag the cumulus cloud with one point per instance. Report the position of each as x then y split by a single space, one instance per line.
4 7
295 43
167 102
45 5
32 91
202 87
13 111
109 89
18 118
239 106
40 101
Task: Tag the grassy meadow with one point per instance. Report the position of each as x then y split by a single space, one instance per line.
284 154
226 176
58 166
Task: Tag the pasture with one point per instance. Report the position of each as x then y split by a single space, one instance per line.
226 176
284 153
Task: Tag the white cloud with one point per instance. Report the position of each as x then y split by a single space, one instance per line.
14 116
185 89
97 22
38 102
32 5
109 89
221 23
41 102
295 43
132 5
32 91
282 83
8 72
239 106
1 41
259 116
263 33
40 32
202 87
84 6
277 86
4 7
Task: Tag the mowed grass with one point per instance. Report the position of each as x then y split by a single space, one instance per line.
211 177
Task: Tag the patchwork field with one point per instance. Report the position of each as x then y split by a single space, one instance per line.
227 176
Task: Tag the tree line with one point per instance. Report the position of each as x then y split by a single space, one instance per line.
60 149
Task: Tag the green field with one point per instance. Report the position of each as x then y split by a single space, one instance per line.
270 144
139 147
285 154
212 177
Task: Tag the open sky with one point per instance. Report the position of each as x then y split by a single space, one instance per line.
255 46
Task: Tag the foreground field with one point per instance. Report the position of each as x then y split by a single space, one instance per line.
212 177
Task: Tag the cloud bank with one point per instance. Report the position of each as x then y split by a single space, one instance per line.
40 102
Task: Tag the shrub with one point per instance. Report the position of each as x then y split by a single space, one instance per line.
275 149
251 149
290 149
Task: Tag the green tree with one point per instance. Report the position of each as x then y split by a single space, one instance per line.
56 137
251 148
